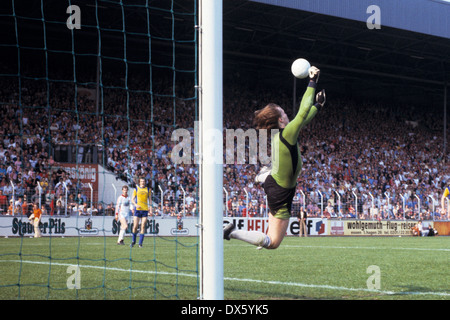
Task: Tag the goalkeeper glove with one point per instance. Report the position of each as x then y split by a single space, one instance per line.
314 74
320 98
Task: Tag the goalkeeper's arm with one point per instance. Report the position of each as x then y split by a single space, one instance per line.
307 110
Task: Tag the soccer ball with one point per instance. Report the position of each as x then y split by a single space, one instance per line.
300 68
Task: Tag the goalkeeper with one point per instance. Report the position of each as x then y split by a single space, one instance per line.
281 180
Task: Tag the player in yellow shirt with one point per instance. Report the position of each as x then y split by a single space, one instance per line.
445 195
141 198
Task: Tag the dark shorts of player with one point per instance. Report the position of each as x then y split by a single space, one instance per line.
141 213
277 196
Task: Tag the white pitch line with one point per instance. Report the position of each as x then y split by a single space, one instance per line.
316 286
100 267
368 248
278 283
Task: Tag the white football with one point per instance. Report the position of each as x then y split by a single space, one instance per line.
300 68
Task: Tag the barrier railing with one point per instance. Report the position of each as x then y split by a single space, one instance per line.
66 200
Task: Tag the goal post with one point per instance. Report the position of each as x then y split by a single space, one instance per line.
211 149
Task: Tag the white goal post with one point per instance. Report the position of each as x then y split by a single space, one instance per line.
211 149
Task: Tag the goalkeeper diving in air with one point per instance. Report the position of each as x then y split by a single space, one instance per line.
280 181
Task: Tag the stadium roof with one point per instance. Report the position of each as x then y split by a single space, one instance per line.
424 16
395 63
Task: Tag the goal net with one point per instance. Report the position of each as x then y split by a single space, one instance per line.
91 92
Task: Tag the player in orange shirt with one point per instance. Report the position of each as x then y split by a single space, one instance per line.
36 218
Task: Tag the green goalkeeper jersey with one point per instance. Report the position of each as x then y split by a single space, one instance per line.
286 157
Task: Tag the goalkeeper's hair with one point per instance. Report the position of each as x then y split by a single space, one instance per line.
267 117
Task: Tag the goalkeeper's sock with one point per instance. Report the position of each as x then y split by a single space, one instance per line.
253 237
141 239
134 237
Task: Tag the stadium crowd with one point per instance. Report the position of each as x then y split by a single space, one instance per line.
364 160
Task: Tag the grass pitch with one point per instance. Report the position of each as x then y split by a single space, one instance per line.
348 268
